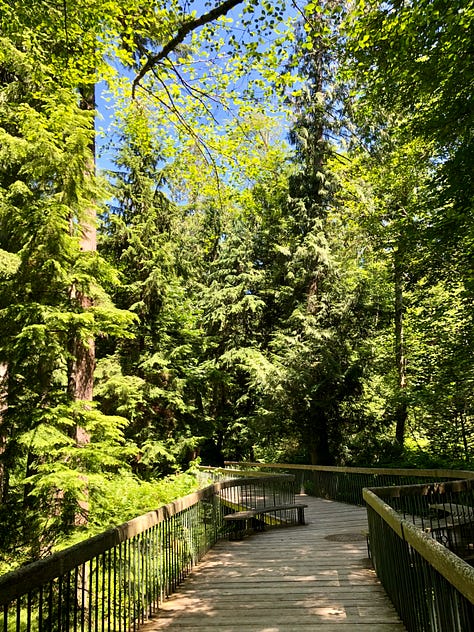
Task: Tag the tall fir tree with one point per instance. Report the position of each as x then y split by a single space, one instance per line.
48 189
314 368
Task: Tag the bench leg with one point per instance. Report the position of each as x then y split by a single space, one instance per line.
301 515
237 530
258 523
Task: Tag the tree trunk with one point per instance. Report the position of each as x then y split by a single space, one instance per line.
82 352
401 411
319 442
464 438
81 369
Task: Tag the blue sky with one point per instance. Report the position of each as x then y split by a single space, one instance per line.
106 107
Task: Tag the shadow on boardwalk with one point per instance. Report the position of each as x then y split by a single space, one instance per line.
313 577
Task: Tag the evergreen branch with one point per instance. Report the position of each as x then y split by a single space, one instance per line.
180 36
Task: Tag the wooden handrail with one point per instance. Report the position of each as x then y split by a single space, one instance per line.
435 473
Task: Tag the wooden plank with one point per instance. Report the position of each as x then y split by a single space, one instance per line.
313 577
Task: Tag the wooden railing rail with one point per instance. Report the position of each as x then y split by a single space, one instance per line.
438 474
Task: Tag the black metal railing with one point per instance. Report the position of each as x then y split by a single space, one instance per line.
419 535
116 581
255 490
443 510
345 484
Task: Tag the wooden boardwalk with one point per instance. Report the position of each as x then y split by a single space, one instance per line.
313 577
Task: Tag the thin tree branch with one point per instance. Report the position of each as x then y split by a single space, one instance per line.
180 36
197 94
200 144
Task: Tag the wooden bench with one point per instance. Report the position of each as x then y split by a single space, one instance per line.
451 509
252 519
455 522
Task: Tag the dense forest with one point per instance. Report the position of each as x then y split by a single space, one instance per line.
228 230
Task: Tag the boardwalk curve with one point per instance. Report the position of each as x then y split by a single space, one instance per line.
313 577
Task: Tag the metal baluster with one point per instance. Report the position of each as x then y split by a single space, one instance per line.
141 581
18 614
118 581
123 586
169 555
155 552
50 607
113 560
104 591
97 594
60 599
28 612
173 554
133 584
162 561
75 594
83 596
67 602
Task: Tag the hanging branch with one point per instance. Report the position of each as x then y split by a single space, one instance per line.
180 36
200 144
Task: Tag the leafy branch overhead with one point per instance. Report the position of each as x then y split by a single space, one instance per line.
183 31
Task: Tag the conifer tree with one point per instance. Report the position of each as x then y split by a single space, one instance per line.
151 377
47 190
314 304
